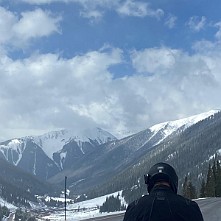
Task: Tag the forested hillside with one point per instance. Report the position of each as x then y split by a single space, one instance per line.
19 187
190 153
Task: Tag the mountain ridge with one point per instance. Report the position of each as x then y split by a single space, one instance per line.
115 156
90 161
32 153
190 153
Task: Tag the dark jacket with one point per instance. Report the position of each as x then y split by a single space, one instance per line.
163 205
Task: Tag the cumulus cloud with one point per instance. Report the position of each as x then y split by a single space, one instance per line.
179 82
36 23
20 30
43 88
8 19
196 23
46 91
154 60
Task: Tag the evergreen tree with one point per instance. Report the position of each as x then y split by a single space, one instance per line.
218 179
23 216
18 215
210 183
215 175
203 189
185 188
4 211
189 190
111 204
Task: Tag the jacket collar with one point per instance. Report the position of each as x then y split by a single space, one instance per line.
161 187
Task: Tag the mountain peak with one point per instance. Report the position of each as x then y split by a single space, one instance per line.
171 126
53 141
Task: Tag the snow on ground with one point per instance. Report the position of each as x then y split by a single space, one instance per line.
8 205
83 210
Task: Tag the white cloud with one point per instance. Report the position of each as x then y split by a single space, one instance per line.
196 23
18 31
218 33
180 83
154 60
45 92
95 9
171 21
43 88
40 2
8 19
95 15
138 9
36 23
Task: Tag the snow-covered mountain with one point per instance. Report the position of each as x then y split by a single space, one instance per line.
114 157
46 155
91 156
167 128
53 141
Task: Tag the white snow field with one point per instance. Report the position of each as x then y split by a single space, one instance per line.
83 210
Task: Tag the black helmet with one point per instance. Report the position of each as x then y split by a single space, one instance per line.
161 172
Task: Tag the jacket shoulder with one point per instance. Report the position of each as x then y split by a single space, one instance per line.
135 208
191 208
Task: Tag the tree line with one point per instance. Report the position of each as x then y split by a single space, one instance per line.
112 204
210 187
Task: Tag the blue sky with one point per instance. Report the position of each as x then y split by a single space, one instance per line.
122 65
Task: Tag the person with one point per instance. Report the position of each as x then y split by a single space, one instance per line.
163 203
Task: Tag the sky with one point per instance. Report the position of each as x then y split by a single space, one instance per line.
122 65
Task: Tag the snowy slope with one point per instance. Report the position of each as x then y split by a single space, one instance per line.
12 150
159 132
116 156
36 154
167 128
54 141
87 209
48 155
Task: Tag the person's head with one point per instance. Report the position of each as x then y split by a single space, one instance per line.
161 174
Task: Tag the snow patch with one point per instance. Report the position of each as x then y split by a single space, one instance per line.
219 152
14 145
8 205
63 155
